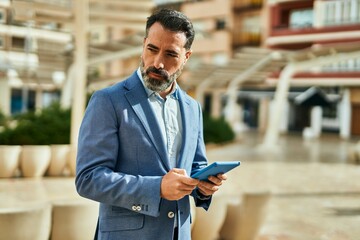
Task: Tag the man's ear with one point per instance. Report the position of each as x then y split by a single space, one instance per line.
187 55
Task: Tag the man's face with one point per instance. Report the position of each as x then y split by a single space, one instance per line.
163 57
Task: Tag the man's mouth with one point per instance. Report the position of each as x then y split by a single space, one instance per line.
155 75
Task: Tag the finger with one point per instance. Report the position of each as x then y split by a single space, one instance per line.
184 179
208 186
179 171
185 187
215 180
206 191
203 192
222 176
190 181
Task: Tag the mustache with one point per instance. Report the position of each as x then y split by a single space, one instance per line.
160 72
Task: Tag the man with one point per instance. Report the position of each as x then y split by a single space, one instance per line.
141 139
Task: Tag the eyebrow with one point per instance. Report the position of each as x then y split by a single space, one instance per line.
168 51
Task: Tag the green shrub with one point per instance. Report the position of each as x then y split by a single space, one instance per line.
217 130
3 119
50 126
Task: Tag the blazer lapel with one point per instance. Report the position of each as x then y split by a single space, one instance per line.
186 114
138 100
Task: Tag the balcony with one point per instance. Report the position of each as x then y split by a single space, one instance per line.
351 65
307 23
337 13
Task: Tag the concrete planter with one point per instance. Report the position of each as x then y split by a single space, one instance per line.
59 158
27 222
9 160
74 220
35 160
243 221
72 160
208 223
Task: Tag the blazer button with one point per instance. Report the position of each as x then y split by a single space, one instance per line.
138 208
171 214
134 208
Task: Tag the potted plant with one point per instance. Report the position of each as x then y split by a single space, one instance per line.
9 154
41 135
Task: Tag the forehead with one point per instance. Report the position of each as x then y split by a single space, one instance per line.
161 37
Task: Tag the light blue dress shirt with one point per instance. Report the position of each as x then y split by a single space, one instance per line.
167 113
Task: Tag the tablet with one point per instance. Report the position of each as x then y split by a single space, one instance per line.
214 169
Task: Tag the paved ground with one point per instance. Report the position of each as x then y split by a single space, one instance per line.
315 192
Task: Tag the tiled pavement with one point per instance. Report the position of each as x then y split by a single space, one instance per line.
315 193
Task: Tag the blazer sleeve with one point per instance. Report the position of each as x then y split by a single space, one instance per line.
97 158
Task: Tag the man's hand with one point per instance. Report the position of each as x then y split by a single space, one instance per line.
209 188
176 184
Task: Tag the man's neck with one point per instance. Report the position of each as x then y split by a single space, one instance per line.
167 91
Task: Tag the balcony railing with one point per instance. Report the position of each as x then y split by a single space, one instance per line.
337 12
351 65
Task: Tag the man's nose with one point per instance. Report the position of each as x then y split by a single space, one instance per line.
159 62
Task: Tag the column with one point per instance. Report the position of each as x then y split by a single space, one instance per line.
316 120
5 96
279 104
79 82
263 113
345 115
216 103
283 121
38 99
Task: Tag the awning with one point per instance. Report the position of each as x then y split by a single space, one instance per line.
313 97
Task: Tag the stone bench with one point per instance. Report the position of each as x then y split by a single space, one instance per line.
74 219
231 217
28 222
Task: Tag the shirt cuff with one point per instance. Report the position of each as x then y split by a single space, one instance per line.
201 196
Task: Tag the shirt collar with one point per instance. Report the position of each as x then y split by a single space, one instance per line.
174 93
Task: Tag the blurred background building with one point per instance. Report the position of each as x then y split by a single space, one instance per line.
292 64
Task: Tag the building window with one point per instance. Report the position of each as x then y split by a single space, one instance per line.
302 18
22 100
220 24
18 43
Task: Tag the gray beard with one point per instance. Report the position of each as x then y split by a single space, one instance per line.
158 85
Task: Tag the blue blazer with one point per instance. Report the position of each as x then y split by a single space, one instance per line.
122 158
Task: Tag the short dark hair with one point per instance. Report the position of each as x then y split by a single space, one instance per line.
174 21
